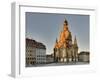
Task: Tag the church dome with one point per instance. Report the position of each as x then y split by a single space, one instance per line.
64 35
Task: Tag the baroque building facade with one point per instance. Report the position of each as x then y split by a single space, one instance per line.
65 50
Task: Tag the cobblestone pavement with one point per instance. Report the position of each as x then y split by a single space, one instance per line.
58 64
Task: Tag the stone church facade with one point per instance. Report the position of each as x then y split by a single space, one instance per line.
65 49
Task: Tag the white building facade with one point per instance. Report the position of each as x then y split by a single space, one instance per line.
40 56
35 52
84 57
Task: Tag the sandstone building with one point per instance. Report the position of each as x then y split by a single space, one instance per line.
65 49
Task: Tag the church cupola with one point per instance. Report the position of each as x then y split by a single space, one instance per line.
66 22
65 25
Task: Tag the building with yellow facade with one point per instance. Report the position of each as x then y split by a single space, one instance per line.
65 49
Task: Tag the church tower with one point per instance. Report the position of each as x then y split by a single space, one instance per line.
55 49
75 49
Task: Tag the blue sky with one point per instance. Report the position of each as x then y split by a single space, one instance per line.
45 28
